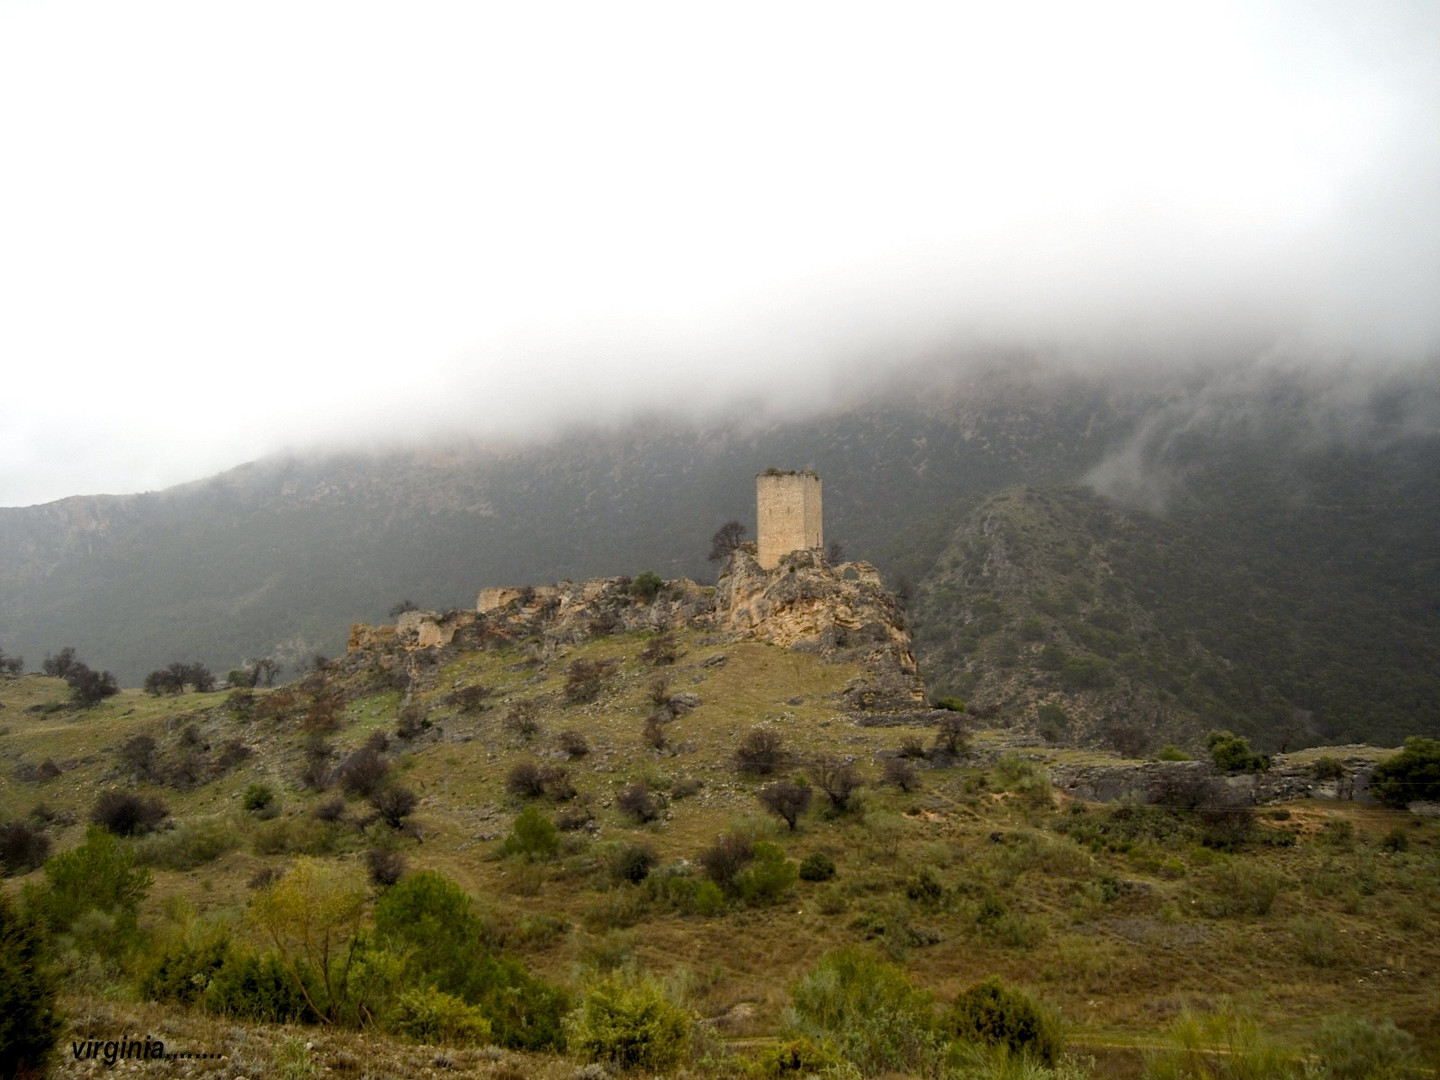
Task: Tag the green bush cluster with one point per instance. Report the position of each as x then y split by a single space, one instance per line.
629 1023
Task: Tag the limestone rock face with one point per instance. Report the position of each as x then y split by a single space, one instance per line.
842 612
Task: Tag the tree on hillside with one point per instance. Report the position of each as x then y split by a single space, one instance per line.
88 688
726 539
10 666
1413 775
59 665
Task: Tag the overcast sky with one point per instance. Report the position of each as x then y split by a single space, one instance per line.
228 229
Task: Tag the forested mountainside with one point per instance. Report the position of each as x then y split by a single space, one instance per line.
1254 551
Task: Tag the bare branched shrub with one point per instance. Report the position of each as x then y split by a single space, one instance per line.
729 855
556 783
414 721
525 780
394 804
761 753
901 774
785 799
523 719
471 699
661 650
573 744
911 747
838 778
386 867
952 734
585 679
317 775
138 758
126 814
638 802
363 772
654 733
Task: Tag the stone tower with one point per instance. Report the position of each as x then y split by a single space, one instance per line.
787 515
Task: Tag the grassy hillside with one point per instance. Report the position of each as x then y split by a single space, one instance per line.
1120 918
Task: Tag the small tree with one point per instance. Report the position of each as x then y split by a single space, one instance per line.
533 836
525 780
394 804
786 800
572 744
726 539
89 688
838 778
59 665
584 679
10 666
952 733
727 858
312 917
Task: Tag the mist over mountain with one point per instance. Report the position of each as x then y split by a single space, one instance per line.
1294 516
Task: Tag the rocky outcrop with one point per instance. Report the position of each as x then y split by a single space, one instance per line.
1179 781
842 612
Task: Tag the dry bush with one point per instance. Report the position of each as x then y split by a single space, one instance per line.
573 744
638 802
525 780
761 753
786 800
523 719
124 813
585 679
838 778
363 772
901 774
661 650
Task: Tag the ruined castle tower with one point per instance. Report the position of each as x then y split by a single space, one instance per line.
787 515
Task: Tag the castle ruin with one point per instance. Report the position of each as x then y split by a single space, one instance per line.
787 515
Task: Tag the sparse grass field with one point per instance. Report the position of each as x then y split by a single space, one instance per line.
1119 918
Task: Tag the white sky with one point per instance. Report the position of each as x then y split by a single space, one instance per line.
226 229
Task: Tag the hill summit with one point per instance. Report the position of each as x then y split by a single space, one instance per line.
841 612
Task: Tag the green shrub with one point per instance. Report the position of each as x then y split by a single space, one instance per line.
1232 754
1327 768
432 921
646 585
100 875
1317 942
1218 1045
949 704
184 969
992 1013
868 1011
799 1057
258 798
1354 1048
629 1024
1171 752
817 866
251 987
1236 890
192 844
294 836
533 836
433 1016
1413 775
29 1022
767 877
633 862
